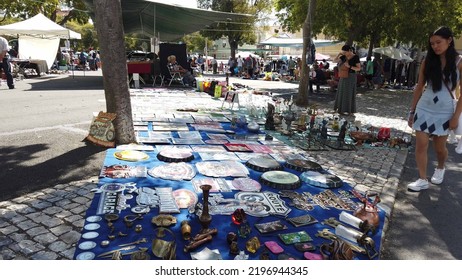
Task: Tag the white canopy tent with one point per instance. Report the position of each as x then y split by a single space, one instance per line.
38 37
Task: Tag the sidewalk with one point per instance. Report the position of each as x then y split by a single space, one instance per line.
46 224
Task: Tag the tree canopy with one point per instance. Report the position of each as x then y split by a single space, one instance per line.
377 21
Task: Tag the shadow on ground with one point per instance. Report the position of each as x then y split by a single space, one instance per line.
50 83
18 176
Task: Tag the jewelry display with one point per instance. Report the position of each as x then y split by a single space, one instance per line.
163 220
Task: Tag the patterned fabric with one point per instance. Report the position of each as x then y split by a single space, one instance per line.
345 102
434 110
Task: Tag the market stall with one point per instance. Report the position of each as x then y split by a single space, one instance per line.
213 187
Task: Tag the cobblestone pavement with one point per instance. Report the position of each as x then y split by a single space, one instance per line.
46 224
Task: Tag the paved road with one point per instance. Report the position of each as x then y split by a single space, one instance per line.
47 172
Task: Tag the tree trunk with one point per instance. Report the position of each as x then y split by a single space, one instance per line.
302 97
233 47
108 22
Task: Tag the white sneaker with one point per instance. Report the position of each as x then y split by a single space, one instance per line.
418 185
438 176
459 147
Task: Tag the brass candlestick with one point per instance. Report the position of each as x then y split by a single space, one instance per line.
205 219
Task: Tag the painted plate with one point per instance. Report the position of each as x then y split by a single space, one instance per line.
87 245
185 198
85 256
131 155
92 226
246 185
90 235
281 180
94 219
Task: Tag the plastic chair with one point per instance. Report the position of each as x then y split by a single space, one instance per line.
175 76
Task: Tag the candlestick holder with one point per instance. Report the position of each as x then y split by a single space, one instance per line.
205 219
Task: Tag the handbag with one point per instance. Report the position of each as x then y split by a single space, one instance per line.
458 130
343 71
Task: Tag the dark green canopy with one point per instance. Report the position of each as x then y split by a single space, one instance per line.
168 22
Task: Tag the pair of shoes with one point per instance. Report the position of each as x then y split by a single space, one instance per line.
11 87
438 176
417 186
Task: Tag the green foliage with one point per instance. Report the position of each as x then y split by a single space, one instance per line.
195 42
381 22
238 33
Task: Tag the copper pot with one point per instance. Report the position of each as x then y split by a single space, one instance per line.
368 213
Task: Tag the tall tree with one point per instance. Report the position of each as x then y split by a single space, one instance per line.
108 22
302 96
237 33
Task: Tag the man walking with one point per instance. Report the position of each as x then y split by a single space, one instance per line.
6 66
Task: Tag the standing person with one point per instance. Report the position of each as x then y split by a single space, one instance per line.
249 66
214 64
240 63
369 73
6 66
432 109
345 101
292 65
201 63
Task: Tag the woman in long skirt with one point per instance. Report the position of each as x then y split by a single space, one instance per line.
345 102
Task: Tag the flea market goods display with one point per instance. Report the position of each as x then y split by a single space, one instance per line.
235 209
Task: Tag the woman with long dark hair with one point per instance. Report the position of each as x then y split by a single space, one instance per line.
432 110
345 101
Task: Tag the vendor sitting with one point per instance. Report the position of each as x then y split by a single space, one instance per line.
317 78
174 67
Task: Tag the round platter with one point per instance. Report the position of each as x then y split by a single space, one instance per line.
185 198
87 245
94 219
92 226
303 165
326 181
90 235
85 256
173 171
175 155
280 180
263 164
246 185
131 155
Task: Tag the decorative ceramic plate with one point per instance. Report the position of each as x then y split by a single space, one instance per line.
87 245
185 198
131 155
92 226
175 155
85 256
173 171
246 184
263 164
112 187
326 181
281 180
303 165
90 235
94 219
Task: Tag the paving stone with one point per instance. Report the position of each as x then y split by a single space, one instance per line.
63 214
44 255
3 223
73 218
81 200
60 186
17 236
21 199
28 247
63 202
26 210
4 241
79 223
26 225
52 222
16 207
61 229
68 254
7 254
45 239
71 237
70 206
8 230
39 204
70 195
59 246
52 210
36 231
51 198
79 210
38 217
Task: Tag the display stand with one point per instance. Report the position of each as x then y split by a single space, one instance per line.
231 97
